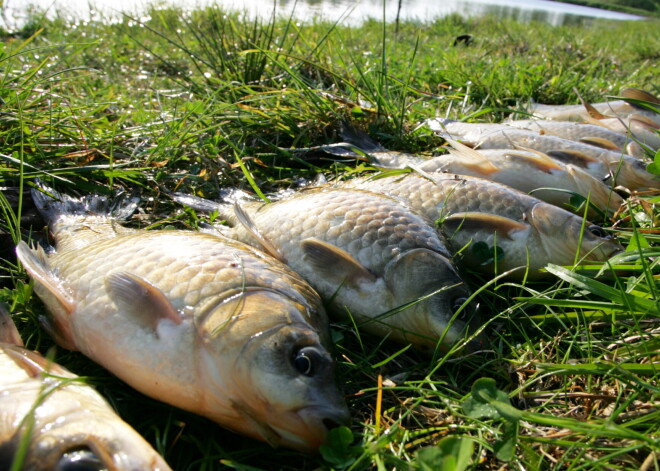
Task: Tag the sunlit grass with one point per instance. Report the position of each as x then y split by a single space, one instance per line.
204 101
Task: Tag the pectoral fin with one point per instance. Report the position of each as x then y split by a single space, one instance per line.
600 142
52 290
32 363
334 262
8 331
539 160
572 157
141 299
249 225
479 222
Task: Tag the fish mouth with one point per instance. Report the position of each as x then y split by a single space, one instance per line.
305 429
317 421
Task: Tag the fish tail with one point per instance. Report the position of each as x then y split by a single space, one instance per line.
358 138
225 210
52 204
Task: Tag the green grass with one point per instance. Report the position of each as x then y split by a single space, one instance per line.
201 101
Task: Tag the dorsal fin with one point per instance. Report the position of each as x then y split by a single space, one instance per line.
246 221
597 122
593 112
334 262
572 157
539 160
642 95
474 221
471 158
140 298
600 142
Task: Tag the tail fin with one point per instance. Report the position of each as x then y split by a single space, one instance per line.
359 138
52 204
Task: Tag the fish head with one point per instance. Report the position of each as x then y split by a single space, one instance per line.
601 195
73 426
431 299
89 449
632 174
280 382
563 235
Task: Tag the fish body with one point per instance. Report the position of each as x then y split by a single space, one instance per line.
639 127
627 170
71 423
614 108
586 133
496 227
203 323
368 256
531 172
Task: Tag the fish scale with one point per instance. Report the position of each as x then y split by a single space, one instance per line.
369 256
530 232
196 320
72 422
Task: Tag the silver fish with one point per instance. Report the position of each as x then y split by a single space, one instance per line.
529 171
625 169
640 128
66 423
613 108
586 133
495 227
198 321
367 255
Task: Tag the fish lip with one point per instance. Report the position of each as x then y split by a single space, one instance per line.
318 420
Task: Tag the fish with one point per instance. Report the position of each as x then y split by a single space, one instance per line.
526 170
192 319
368 256
643 130
613 108
65 423
494 228
623 169
590 133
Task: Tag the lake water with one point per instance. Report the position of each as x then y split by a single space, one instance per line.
347 11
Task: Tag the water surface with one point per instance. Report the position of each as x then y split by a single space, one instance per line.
347 11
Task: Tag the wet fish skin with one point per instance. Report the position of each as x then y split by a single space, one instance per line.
368 255
530 233
528 171
73 424
639 127
612 108
628 171
195 320
586 133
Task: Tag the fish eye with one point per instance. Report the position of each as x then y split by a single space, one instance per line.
598 231
80 460
457 303
306 360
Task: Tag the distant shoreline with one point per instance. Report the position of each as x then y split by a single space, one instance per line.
642 7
